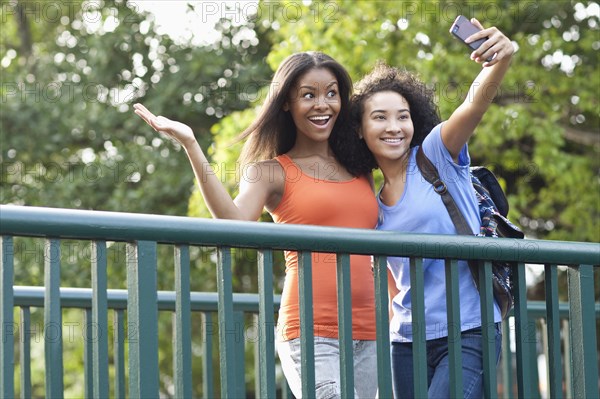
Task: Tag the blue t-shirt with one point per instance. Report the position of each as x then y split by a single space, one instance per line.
421 210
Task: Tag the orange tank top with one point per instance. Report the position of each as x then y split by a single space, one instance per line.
313 201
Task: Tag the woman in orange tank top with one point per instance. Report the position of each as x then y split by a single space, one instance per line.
310 172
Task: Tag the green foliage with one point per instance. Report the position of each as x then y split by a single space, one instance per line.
70 138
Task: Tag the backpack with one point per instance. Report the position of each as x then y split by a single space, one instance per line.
493 208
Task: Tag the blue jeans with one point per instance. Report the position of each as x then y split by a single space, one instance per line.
438 372
327 367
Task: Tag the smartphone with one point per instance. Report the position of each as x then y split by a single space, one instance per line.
463 28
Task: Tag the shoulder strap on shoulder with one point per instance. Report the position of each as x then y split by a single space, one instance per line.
430 173
284 160
488 181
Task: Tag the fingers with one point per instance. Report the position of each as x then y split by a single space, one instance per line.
147 116
142 111
486 51
482 34
172 129
503 49
499 52
497 46
138 106
475 22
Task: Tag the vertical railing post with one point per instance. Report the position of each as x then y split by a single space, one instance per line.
266 324
182 345
534 374
142 313
507 369
88 357
286 392
53 320
454 329
307 336
7 323
488 328
119 352
99 325
226 323
524 333
384 367
25 353
545 350
580 280
344 298
417 286
553 328
208 390
259 391
239 354
565 327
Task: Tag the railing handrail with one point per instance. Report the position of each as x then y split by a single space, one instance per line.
71 297
118 226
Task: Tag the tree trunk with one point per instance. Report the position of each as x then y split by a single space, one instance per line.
24 29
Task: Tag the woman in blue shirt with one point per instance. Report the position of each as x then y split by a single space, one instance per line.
395 114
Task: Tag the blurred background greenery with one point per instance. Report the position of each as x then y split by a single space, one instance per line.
70 71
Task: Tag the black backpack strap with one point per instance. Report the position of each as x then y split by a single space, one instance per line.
430 173
488 181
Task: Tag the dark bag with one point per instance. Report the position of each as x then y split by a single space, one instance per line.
493 208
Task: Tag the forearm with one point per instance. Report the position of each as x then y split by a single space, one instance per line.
217 199
462 123
484 89
481 94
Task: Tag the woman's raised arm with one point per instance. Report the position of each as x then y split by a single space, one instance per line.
459 128
253 195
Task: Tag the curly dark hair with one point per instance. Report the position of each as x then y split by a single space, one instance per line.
423 110
273 132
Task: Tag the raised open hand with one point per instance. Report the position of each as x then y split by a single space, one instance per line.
177 130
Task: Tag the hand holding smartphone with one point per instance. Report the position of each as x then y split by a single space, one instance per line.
463 28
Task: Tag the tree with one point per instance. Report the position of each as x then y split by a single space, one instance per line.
66 120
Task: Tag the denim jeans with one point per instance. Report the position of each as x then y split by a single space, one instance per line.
327 367
438 372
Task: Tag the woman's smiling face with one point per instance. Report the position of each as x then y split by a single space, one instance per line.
386 125
314 104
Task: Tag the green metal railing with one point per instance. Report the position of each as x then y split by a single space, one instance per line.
141 302
27 297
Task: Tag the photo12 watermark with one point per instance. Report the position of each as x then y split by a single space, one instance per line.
239 12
